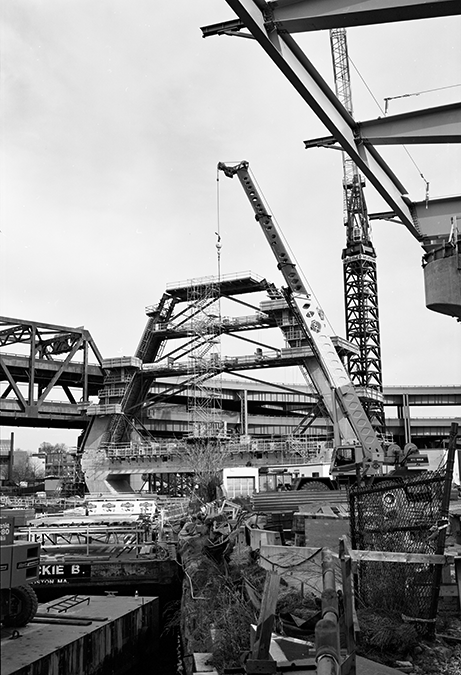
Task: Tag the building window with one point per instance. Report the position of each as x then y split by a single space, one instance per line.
240 486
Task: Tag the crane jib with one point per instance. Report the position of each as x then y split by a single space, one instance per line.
329 375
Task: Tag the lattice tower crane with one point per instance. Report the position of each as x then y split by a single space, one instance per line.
359 261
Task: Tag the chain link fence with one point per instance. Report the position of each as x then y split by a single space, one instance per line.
401 514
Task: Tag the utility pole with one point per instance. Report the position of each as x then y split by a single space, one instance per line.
359 262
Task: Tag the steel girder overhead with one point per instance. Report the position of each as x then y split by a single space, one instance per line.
271 24
301 16
428 126
308 15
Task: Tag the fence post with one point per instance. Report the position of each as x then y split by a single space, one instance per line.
349 665
443 524
327 647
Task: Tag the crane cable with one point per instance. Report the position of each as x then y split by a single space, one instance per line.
426 182
416 93
218 227
218 256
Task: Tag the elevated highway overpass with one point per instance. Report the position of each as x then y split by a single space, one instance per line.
56 375
60 372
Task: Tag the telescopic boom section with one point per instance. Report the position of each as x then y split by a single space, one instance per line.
326 371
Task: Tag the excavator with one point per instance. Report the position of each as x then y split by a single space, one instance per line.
359 451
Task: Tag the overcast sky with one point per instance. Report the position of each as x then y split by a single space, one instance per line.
115 114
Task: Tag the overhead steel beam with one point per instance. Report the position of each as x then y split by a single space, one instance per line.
267 23
300 72
222 28
295 16
441 124
432 217
309 15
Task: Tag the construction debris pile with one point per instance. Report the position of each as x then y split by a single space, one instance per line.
223 552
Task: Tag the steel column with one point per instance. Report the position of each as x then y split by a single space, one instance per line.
33 335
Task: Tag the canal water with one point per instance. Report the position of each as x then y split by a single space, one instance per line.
169 660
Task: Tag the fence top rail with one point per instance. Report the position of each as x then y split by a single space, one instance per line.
397 557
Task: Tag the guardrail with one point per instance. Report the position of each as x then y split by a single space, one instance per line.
113 540
200 281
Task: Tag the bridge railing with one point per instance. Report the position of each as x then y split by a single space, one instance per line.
96 539
289 451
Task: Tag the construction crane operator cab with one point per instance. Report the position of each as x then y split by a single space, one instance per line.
349 458
345 456
397 461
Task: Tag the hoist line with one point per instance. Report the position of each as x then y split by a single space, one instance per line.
426 182
218 254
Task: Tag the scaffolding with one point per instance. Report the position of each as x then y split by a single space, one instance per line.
204 403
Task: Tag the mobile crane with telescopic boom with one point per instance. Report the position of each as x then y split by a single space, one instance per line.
359 447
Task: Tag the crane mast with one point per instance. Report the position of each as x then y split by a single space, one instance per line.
325 367
359 260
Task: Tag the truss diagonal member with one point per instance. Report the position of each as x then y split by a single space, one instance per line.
21 330
177 388
60 371
13 384
13 334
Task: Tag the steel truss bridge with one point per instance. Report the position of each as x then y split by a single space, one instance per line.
47 371
53 383
134 412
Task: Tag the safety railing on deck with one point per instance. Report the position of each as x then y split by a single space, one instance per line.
292 451
212 280
93 539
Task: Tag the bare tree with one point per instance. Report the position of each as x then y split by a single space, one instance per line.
25 470
207 459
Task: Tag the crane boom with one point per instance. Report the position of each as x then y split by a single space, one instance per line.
326 369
